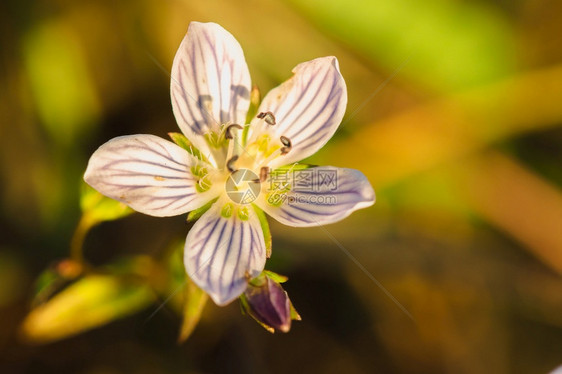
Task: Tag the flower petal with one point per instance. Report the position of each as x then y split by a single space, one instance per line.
317 196
308 108
151 175
222 253
210 83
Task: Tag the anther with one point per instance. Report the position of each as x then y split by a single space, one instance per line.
228 133
230 163
268 117
264 173
287 145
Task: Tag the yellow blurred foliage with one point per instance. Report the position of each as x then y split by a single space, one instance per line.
91 302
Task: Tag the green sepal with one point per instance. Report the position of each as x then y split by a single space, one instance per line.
275 277
244 306
195 301
294 314
255 99
265 228
183 142
258 281
197 213
261 278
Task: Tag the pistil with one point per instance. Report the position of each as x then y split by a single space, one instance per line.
230 163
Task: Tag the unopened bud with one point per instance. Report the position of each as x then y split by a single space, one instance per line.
268 303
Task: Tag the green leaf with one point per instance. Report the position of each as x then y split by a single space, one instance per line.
265 228
195 300
55 278
98 208
45 285
92 301
197 213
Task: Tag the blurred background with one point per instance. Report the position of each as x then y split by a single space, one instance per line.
454 115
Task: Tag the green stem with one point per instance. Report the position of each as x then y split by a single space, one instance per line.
77 241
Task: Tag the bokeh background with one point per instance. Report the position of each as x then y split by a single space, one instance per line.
454 115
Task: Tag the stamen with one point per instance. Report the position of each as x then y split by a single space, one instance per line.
230 163
268 117
287 145
228 132
203 184
264 173
234 146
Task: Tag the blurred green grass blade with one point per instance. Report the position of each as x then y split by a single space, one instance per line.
172 281
60 81
452 44
175 267
444 130
517 201
195 301
89 303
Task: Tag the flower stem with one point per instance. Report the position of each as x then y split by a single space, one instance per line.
77 241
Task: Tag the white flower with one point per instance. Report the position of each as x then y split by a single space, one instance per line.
210 89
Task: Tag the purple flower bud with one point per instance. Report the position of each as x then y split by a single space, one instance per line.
268 303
